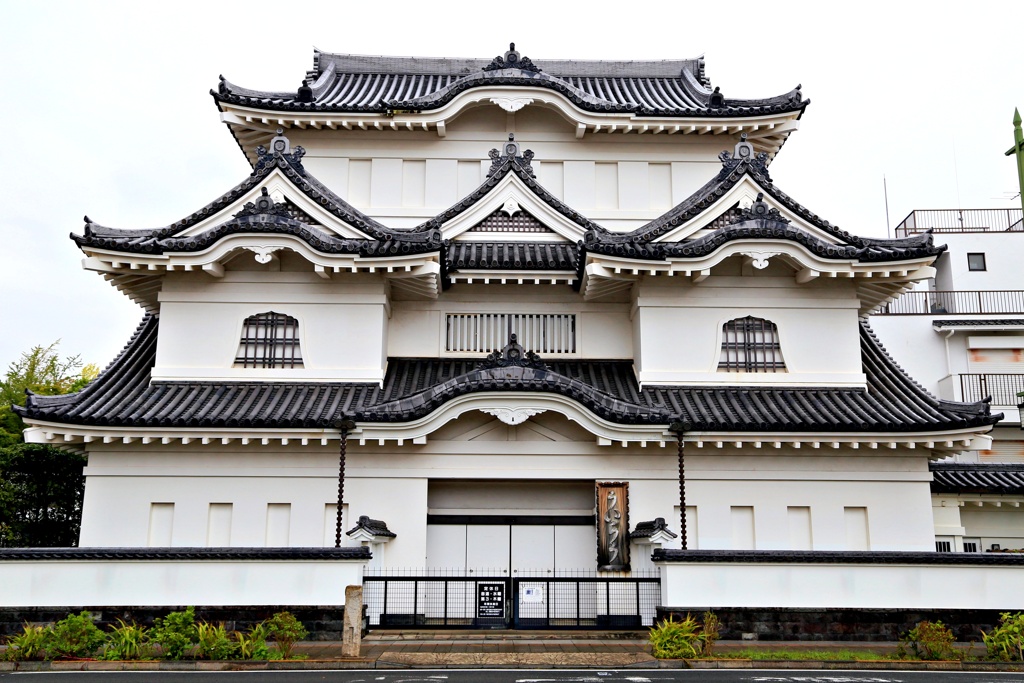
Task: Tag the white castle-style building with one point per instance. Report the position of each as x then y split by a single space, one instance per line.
553 316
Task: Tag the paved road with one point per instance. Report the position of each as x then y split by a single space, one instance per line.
522 676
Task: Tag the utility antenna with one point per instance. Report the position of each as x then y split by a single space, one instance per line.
956 175
885 188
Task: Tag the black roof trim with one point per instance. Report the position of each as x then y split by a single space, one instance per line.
640 243
160 239
955 477
361 83
179 554
836 557
987 322
374 526
124 396
648 529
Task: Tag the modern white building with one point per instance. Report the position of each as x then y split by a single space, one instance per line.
515 294
961 335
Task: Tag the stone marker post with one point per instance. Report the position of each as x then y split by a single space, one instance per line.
352 627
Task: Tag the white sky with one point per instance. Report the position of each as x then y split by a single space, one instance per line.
105 109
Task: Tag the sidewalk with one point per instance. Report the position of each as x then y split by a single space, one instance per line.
523 649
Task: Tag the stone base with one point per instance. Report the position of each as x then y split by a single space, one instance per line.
873 625
323 623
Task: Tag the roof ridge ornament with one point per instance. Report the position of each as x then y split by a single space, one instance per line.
512 60
761 210
279 144
743 152
510 153
264 206
512 355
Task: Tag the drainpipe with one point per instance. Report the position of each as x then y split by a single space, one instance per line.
680 429
343 425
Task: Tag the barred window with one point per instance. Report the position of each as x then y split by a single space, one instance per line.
269 340
751 345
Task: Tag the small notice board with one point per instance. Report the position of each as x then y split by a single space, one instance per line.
490 600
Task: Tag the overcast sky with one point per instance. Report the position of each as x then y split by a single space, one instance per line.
105 109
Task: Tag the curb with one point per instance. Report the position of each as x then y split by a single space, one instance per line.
327 664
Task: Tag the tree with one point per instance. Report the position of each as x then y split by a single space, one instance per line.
40 486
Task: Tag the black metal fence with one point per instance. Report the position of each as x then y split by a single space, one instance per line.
497 600
1003 388
939 302
960 220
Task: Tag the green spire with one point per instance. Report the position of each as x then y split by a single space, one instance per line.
1018 150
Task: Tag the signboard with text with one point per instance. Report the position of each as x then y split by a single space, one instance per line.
490 600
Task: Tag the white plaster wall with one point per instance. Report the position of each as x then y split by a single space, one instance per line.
893 586
342 325
405 177
678 326
390 483
184 582
1002 525
417 328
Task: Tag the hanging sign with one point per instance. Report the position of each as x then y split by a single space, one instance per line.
613 526
490 600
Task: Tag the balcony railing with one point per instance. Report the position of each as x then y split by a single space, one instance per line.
941 302
961 220
1002 388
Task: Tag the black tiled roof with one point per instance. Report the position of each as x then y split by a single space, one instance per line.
373 526
358 83
755 223
270 217
648 529
512 256
836 557
124 396
207 554
970 478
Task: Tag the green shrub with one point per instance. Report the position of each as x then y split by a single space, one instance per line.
213 642
74 636
253 645
711 630
175 633
672 639
127 641
928 640
1006 641
285 629
29 644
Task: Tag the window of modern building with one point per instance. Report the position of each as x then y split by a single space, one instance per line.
269 340
976 261
751 345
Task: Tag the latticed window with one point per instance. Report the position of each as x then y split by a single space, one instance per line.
751 345
269 340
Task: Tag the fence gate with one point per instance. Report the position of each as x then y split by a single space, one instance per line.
499 601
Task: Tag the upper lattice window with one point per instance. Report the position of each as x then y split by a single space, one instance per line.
751 345
269 340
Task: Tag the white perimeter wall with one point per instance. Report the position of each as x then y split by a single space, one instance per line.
184 582
866 586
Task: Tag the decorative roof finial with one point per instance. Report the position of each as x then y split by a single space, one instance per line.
305 93
512 355
512 60
510 153
717 99
280 143
743 150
